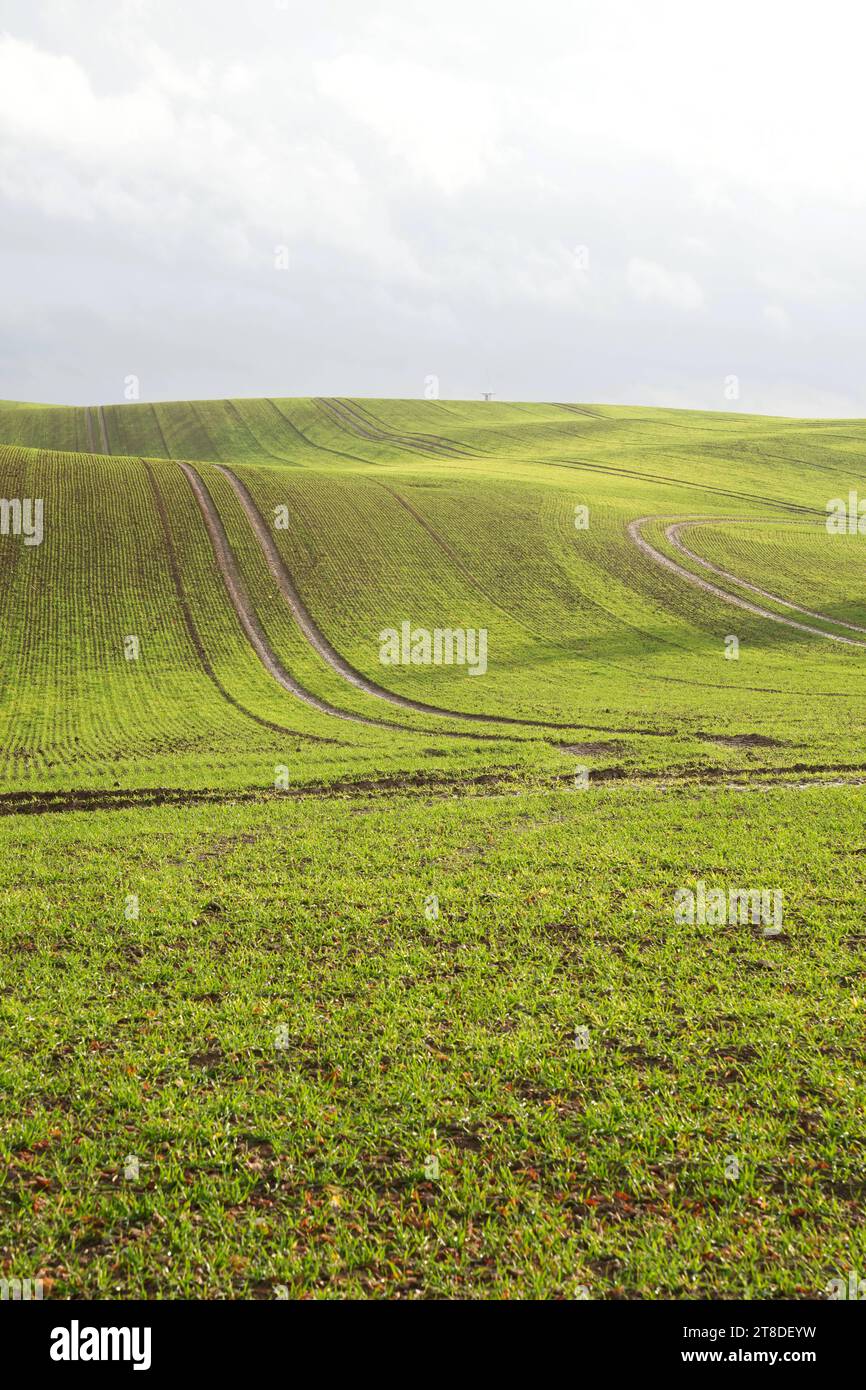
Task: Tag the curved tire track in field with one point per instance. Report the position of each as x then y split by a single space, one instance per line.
659 558
581 465
192 630
259 443
673 535
311 443
354 421
514 617
95 446
338 663
439 442
582 410
249 621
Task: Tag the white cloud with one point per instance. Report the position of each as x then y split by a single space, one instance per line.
652 282
167 163
238 79
801 281
47 103
431 170
443 127
697 245
776 109
777 319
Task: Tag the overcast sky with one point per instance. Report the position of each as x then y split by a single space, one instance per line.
549 199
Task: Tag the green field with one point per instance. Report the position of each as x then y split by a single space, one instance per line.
374 969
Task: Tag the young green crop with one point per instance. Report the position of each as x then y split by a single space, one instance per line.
326 1088
307 991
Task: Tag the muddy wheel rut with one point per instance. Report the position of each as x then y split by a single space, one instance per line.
428 784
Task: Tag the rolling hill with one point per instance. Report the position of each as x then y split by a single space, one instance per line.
440 515
354 755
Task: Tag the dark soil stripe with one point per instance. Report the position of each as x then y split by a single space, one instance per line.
193 632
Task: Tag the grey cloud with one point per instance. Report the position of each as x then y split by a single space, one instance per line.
432 174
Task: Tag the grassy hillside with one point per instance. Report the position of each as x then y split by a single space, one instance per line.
442 515
377 905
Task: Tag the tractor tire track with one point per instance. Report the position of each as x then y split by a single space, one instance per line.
88 425
259 444
659 558
436 441
193 632
672 424
582 466
427 784
249 620
351 425
582 410
460 565
352 420
673 535
562 646
305 438
361 422
317 639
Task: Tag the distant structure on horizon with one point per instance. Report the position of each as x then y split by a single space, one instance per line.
487 395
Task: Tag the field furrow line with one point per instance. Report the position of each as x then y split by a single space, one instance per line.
355 423
103 429
658 558
161 431
461 566
673 535
266 448
259 444
635 473
248 618
322 448
319 641
580 410
436 441
356 427
192 630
